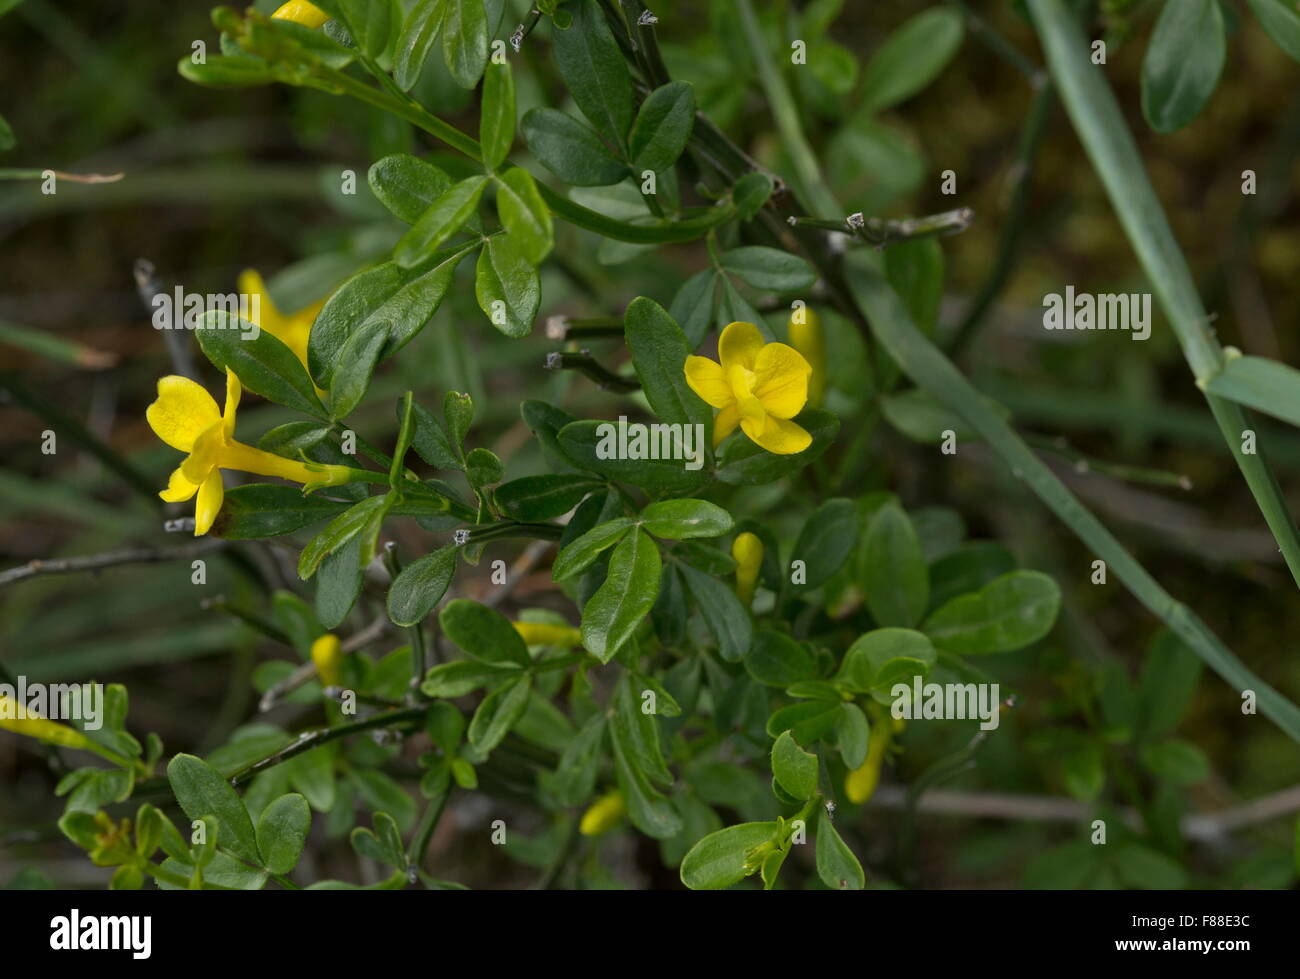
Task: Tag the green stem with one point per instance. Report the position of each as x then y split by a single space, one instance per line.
1110 146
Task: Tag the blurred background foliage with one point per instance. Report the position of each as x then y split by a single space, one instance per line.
218 181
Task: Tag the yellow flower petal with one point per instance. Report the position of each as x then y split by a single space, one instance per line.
725 423
781 380
740 344
206 454
183 411
233 390
293 330
708 381
14 716
806 337
179 489
602 815
776 435
208 505
302 12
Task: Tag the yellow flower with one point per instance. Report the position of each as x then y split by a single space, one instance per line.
603 814
302 12
38 727
747 549
186 418
806 337
327 654
758 386
294 329
545 634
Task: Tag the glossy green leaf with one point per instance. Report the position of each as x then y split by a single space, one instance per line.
202 791
570 150
726 618
728 856
526 218
580 554
443 218
777 660
685 519
269 509
350 378
592 446
662 128
483 633
263 364
911 58
462 677
659 351
507 287
496 125
338 583
895 578
1007 614
826 540
465 40
347 525
407 185
794 768
419 587
1183 63
499 712
594 71
415 40
543 497
629 592
282 830
837 867
769 268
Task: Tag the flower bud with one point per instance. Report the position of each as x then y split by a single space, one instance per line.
546 634
328 657
861 782
806 337
301 12
14 716
602 815
747 549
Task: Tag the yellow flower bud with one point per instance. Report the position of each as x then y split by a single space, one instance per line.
806 337
747 549
14 716
302 12
328 657
602 815
546 634
861 782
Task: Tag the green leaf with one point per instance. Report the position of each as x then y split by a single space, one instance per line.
574 779
895 578
1142 867
663 127
852 736
593 68
728 856
648 810
462 677
282 832
659 351
419 587
581 553
264 365
383 844
496 125
971 566
507 287
629 592
269 509
201 791
1176 761
724 615
685 519
795 769
769 268
1183 63
338 583
837 867
777 660
543 497
407 185
911 58
465 40
915 270
458 410
885 656
431 442
340 530
415 41
351 376
581 441
369 23
483 633
693 304
922 418
571 150
1281 21
381 793
499 712
1007 614
827 540
443 218
1168 681
1262 384
405 299
526 218
742 462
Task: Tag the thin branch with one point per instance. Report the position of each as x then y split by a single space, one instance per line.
97 562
